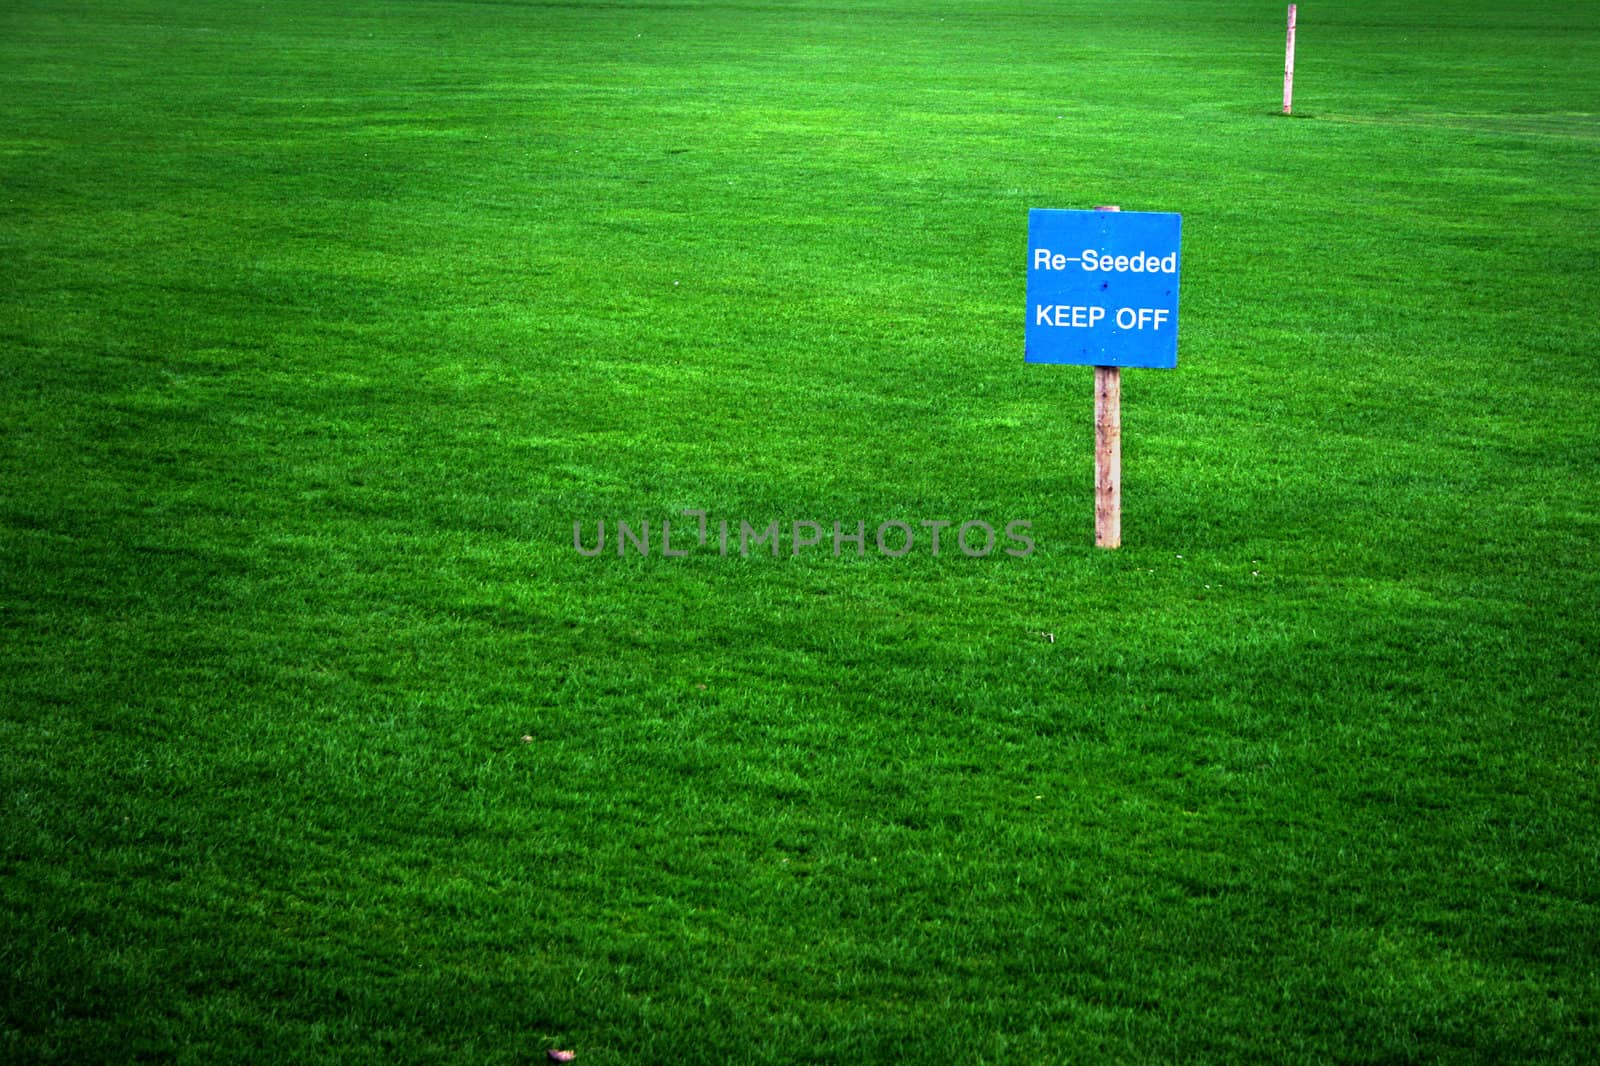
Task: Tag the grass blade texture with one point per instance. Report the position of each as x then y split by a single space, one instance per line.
322 739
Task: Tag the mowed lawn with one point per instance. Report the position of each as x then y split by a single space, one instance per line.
322 327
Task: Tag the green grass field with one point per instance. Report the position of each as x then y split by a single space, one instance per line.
323 324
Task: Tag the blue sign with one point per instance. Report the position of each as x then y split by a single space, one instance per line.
1103 288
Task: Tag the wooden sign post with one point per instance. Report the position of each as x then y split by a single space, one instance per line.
1288 65
1108 456
1108 450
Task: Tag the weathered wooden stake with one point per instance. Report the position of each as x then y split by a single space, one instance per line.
1288 65
1108 456
1108 450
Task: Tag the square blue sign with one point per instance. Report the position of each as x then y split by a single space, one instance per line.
1103 288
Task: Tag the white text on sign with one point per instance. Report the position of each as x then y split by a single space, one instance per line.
1089 259
1076 317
